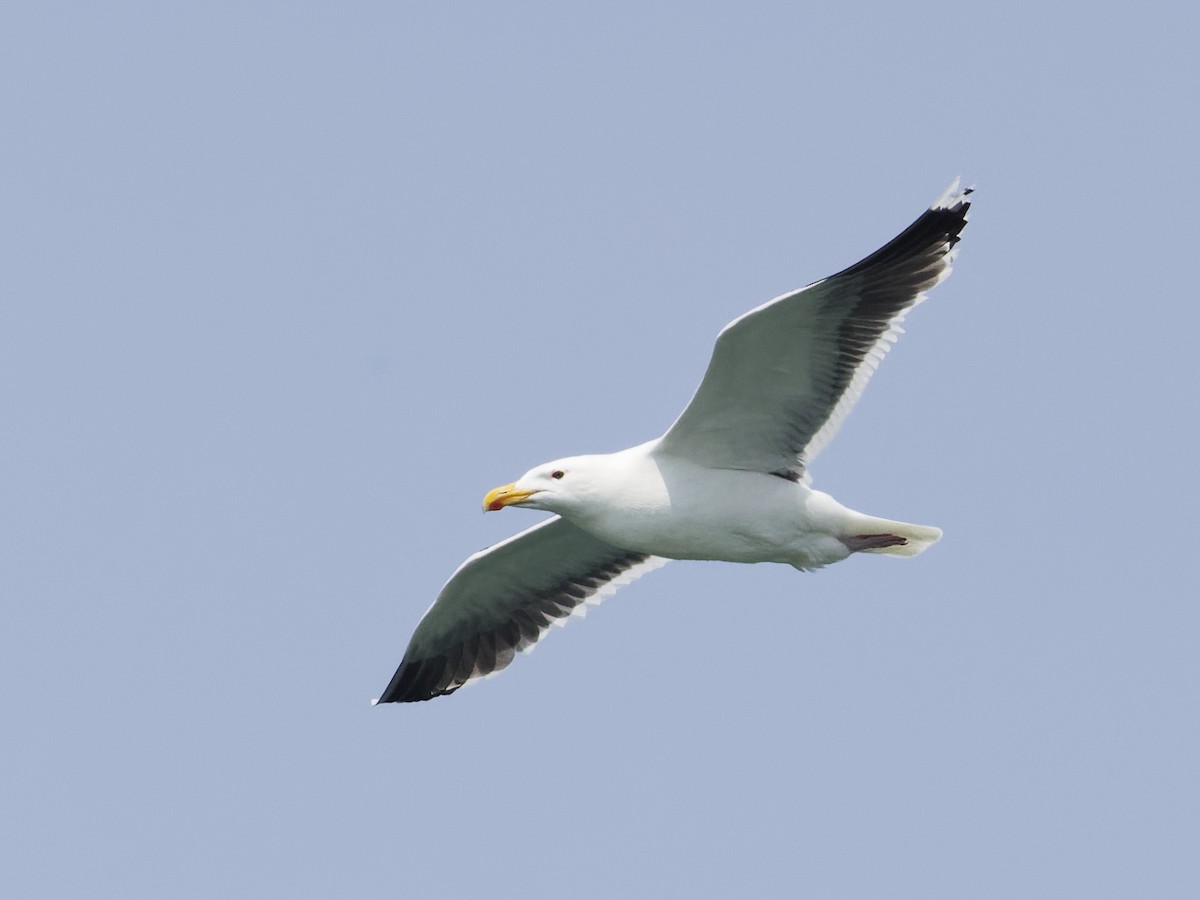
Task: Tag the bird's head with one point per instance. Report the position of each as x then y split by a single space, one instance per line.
554 486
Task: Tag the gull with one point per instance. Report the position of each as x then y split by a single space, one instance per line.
727 481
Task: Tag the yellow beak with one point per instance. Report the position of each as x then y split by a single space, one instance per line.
498 498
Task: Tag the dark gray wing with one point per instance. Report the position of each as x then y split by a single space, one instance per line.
503 599
784 376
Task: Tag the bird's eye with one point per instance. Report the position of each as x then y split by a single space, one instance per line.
557 473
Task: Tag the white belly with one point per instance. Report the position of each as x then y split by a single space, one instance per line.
682 511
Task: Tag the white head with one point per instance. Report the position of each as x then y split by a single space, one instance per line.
557 486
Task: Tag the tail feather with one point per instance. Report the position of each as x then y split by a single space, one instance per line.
916 537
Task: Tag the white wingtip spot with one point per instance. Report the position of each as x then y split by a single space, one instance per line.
374 701
952 196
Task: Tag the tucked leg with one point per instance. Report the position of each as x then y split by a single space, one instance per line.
856 543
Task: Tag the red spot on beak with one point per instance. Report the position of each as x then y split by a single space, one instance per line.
496 505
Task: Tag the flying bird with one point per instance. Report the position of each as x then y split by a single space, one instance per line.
727 481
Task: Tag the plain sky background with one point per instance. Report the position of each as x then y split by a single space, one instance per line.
287 287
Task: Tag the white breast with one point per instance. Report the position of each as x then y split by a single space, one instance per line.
670 507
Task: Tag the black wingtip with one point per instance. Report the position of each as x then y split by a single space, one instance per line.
418 681
926 240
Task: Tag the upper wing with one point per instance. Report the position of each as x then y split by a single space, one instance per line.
783 376
502 600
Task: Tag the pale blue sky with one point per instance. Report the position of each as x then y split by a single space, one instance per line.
288 287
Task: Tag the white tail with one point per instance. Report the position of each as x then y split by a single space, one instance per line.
916 537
